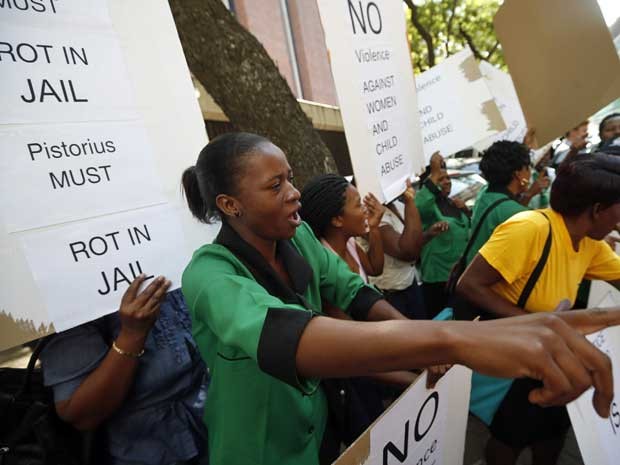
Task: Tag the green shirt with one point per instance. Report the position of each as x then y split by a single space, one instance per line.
247 324
497 216
442 252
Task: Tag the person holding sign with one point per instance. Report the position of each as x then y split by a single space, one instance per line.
135 376
255 300
446 227
333 208
531 264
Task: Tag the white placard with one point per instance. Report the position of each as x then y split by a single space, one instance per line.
456 106
73 172
503 91
58 75
373 74
423 426
97 260
599 438
75 14
166 137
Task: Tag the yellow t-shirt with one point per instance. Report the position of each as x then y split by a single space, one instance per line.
516 246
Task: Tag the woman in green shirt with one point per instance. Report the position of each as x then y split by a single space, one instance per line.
255 301
446 228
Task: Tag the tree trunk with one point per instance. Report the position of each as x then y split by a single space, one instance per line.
236 70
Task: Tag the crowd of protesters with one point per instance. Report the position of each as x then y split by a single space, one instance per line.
301 290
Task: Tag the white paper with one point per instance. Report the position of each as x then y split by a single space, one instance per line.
72 172
82 269
503 91
75 14
53 75
429 424
373 74
176 134
452 100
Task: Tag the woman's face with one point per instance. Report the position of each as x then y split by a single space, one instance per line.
523 178
444 183
353 220
611 129
605 221
269 202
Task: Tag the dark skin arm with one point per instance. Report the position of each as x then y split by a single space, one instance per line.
475 286
547 347
405 246
372 261
105 389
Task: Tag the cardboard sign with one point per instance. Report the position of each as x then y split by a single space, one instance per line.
503 90
372 71
422 426
90 189
562 60
456 106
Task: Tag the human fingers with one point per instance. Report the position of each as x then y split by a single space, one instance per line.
146 294
593 361
556 389
158 295
591 320
130 293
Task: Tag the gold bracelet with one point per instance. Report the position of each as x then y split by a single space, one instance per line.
125 353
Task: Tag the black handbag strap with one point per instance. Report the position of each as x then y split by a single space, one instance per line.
25 389
531 282
474 235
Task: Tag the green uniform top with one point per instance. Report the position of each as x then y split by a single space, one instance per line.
442 252
497 216
539 200
247 324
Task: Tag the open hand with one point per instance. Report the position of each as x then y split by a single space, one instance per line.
139 310
374 210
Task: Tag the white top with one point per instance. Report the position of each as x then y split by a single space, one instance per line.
397 274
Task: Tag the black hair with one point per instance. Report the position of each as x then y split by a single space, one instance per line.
603 122
216 172
323 198
585 180
501 160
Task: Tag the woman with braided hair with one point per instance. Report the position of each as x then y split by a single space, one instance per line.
333 208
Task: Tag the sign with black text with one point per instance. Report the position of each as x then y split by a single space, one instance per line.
456 106
424 426
91 154
372 71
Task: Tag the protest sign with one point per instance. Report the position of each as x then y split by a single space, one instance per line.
598 437
456 106
422 426
371 65
93 186
503 91
562 60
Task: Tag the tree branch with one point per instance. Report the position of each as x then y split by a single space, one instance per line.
449 26
470 42
491 52
426 36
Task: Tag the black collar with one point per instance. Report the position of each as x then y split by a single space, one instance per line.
296 265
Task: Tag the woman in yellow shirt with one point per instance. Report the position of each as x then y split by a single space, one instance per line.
585 207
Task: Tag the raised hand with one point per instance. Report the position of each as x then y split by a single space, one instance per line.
374 210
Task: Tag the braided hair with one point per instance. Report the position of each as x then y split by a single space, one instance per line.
323 198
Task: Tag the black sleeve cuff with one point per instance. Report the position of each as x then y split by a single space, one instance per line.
361 303
277 347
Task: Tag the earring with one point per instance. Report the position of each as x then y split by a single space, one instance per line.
237 213
524 182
